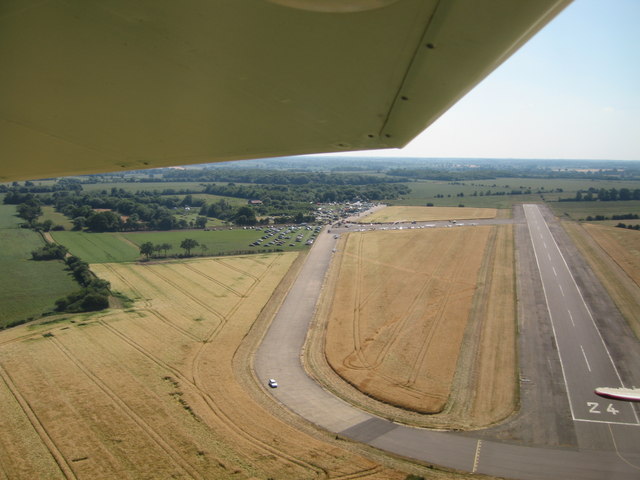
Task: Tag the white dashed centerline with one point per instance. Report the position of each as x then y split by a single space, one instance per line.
585 358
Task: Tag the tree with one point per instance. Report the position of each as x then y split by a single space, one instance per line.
188 244
165 247
203 248
29 211
146 249
104 222
245 216
201 222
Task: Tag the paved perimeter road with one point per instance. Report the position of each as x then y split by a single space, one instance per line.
279 357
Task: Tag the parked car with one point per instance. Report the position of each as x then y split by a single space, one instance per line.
273 383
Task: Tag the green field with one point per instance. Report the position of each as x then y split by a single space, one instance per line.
48 213
8 217
124 247
98 247
143 186
27 288
581 210
425 191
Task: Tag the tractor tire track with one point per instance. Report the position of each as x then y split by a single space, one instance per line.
451 280
194 382
175 456
213 280
236 269
187 294
40 429
223 418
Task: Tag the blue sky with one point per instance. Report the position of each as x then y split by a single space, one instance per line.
573 91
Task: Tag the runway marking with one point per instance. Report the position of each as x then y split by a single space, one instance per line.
554 271
561 290
553 327
585 358
476 459
549 256
615 445
571 318
606 421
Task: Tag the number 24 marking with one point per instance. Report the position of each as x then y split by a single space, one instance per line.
593 408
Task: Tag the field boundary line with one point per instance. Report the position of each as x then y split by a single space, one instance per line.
186 293
40 429
177 459
239 270
213 280
209 401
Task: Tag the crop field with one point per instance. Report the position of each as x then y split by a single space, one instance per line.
159 390
98 247
400 310
27 288
425 214
125 246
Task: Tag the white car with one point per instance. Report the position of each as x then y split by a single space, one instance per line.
273 383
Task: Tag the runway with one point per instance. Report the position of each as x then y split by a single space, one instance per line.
279 356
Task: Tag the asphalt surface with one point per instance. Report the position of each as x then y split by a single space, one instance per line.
279 356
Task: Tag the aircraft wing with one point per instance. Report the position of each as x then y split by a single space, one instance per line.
616 393
103 85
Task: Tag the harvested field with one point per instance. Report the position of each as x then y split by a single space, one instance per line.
160 390
400 310
426 214
614 254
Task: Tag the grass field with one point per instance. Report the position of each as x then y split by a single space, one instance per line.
125 247
98 247
27 288
8 217
48 213
425 191
143 186
160 390
425 214
400 310
581 210
614 254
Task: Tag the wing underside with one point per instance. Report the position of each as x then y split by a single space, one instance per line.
94 86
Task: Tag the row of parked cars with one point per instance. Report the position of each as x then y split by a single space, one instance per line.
279 236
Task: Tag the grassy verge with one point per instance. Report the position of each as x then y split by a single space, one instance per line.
614 255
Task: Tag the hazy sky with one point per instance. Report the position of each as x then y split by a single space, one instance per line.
573 91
